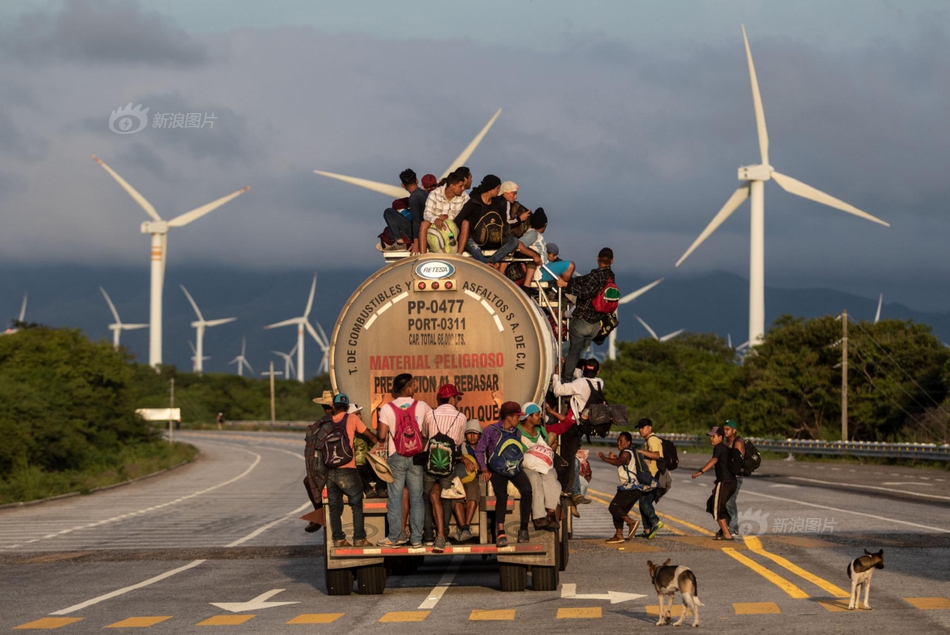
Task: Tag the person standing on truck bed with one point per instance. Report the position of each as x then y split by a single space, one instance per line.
448 421
442 206
344 478
489 447
316 476
406 474
579 391
585 321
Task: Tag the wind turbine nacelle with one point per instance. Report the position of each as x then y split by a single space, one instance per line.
755 173
154 227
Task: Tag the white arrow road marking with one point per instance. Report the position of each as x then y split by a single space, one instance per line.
258 603
569 592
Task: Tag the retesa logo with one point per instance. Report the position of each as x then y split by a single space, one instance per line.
435 269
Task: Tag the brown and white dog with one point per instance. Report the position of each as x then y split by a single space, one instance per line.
667 580
859 572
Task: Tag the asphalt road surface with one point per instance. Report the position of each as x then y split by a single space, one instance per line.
160 554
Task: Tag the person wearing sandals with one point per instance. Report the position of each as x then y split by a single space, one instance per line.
627 492
507 424
725 482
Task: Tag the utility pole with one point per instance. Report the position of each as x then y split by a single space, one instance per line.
844 375
171 404
273 403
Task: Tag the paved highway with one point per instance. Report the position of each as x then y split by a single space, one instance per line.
160 554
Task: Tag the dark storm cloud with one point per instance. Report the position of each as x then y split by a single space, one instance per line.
101 32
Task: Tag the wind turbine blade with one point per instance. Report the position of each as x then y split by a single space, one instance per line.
294 349
880 301
132 327
741 346
193 304
313 334
313 288
796 187
738 197
219 322
467 152
247 363
198 212
23 308
192 345
729 340
757 102
323 334
670 336
131 190
647 327
115 313
636 294
243 345
383 188
284 323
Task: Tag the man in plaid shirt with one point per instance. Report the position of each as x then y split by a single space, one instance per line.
442 206
585 321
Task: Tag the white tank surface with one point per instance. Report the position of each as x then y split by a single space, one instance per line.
444 319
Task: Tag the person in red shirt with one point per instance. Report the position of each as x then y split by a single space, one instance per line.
345 479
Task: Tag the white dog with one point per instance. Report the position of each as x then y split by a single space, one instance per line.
859 572
667 580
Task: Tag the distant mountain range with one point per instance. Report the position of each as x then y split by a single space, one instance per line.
68 295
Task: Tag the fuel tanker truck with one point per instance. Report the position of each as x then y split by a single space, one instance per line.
445 319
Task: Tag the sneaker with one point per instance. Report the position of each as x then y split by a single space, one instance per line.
656 528
632 529
439 545
386 542
341 543
465 535
417 545
614 540
403 538
501 541
523 536
312 527
584 500
363 542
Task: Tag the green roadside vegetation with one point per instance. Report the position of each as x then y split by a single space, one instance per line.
68 419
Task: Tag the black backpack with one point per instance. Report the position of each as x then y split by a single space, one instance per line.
337 450
488 231
741 465
599 418
670 458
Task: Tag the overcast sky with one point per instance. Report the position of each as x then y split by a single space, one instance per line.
625 120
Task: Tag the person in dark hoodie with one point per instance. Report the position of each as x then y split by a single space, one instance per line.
482 223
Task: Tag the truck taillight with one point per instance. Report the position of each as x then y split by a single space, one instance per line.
422 286
448 284
436 285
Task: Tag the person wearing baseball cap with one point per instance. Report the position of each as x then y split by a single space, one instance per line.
467 471
505 428
539 466
652 451
315 480
732 440
563 269
446 420
429 182
725 482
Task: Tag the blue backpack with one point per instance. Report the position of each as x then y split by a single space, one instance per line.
508 454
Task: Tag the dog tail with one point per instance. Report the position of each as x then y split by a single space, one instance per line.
850 564
692 578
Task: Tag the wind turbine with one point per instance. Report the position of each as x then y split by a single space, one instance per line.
397 192
240 360
158 228
118 326
302 322
289 370
195 363
324 344
20 319
665 338
880 301
200 324
754 178
612 338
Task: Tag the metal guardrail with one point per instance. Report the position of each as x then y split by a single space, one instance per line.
286 425
926 451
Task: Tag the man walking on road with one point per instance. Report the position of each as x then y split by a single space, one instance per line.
627 494
652 451
725 482
733 441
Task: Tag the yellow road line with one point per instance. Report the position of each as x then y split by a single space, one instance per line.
316 618
499 615
592 612
674 530
755 608
404 616
140 622
929 604
226 620
755 545
774 578
674 519
48 623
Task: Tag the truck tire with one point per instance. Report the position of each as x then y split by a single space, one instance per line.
371 580
338 581
513 577
544 578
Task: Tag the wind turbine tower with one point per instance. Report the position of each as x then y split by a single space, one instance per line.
302 323
158 229
118 326
753 179
200 325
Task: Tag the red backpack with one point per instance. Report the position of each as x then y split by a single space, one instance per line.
607 299
406 434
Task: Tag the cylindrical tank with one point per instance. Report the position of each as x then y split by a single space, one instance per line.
444 319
